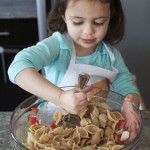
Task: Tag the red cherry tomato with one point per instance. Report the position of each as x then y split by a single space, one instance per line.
118 139
120 124
53 125
35 110
33 120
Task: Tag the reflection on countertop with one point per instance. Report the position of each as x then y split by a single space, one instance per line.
10 9
6 142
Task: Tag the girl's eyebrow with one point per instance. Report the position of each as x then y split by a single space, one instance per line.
102 17
75 17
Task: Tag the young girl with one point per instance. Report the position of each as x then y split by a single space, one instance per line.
83 32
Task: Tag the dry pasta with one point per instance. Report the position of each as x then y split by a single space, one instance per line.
100 129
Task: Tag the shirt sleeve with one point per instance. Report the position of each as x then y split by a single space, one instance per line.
123 82
37 56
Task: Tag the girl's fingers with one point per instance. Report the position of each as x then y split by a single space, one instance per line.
82 109
131 111
80 96
89 88
132 125
63 111
86 90
133 132
127 126
133 120
135 116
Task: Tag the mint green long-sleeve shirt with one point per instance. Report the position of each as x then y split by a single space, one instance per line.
54 54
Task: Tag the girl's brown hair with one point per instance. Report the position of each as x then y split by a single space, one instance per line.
116 28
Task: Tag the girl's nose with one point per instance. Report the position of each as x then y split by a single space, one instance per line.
88 29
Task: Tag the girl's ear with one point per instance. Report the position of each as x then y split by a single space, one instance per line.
64 18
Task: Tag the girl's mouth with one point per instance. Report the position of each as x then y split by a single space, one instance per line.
88 41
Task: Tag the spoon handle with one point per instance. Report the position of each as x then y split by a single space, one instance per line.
83 79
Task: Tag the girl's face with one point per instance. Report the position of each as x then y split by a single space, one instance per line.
87 23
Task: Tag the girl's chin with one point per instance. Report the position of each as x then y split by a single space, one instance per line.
85 45
89 46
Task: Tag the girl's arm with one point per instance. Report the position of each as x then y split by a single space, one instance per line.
72 101
32 81
123 82
124 85
133 98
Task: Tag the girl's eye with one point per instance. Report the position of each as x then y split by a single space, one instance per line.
77 23
99 24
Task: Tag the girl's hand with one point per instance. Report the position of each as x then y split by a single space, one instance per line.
74 101
131 115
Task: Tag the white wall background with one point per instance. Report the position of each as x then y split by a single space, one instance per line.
135 47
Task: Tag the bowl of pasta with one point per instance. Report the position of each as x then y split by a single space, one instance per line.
101 126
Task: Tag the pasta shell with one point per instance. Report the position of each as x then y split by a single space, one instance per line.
67 132
111 116
34 137
57 117
102 132
40 145
110 144
51 136
111 138
50 148
81 114
114 125
90 108
85 121
75 133
103 148
83 142
95 112
117 147
41 131
103 105
118 115
58 137
99 99
102 120
75 147
44 138
63 146
92 129
34 127
96 138
29 146
109 123
69 144
108 132
94 120
83 133
88 142
30 139
53 142
77 139
90 147
58 131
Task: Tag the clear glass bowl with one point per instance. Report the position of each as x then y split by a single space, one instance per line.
19 123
